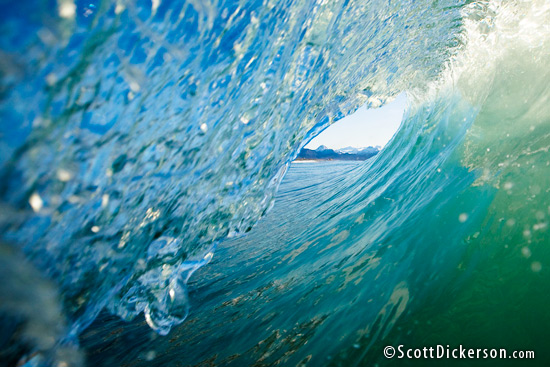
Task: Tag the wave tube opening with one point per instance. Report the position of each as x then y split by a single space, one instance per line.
363 128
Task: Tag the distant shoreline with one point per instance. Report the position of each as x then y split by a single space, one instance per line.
303 160
306 160
326 154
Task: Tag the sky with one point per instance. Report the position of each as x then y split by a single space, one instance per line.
363 128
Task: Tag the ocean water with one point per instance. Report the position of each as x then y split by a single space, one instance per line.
142 140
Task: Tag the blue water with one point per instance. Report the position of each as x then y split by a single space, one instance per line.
141 141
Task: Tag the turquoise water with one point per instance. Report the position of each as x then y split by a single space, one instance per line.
141 141
315 283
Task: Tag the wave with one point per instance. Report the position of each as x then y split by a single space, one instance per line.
142 136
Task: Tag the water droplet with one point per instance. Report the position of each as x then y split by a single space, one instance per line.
67 9
119 8
104 200
536 266
51 79
463 217
154 6
150 355
36 202
63 175
134 86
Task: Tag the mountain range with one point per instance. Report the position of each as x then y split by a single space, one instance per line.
345 154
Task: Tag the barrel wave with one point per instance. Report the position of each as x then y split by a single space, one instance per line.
142 139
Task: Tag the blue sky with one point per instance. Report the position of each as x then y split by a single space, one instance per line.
364 127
